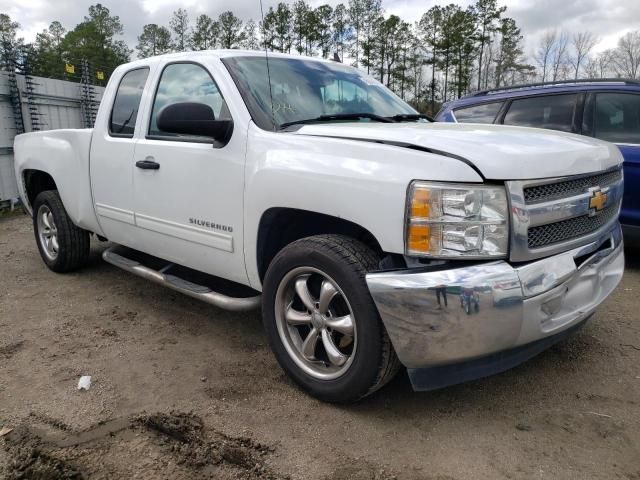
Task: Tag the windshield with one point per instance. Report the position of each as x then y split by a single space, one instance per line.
306 89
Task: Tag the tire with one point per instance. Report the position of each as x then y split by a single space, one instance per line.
336 265
63 246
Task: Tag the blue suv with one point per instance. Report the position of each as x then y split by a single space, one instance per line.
608 109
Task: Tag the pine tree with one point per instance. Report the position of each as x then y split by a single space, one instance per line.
231 33
9 44
446 45
324 18
153 40
509 64
283 28
251 41
94 40
381 56
371 23
205 34
48 58
342 31
357 13
404 43
269 26
300 28
179 25
430 28
488 14
463 45
8 30
416 63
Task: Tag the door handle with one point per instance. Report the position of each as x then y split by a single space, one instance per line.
147 164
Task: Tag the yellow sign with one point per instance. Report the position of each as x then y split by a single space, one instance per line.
100 75
598 200
69 68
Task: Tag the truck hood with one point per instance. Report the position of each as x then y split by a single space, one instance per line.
498 152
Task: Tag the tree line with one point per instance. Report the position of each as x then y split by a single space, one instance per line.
94 40
450 51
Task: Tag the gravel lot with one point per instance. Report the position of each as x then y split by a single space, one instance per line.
184 390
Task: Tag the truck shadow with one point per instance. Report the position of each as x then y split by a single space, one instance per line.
523 386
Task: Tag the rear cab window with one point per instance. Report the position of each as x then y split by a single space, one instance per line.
485 113
616 117
554 112
122 121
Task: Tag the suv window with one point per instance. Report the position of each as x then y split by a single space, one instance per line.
186 82
485 113
617 117
127 101
544 111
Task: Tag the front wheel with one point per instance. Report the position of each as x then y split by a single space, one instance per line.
321 320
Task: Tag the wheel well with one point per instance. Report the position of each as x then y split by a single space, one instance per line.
281 226
36 181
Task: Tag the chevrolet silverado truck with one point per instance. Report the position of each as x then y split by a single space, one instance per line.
370 237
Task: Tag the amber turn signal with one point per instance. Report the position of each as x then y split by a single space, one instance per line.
420 204
418 238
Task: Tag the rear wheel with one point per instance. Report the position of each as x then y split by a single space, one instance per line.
321 320
63 246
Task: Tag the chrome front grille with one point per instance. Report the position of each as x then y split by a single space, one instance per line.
568 188
553 215
564 230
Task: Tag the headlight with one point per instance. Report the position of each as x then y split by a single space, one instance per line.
447 221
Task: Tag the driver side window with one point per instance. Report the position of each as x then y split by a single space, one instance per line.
185 82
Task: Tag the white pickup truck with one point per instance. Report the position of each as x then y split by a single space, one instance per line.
370 237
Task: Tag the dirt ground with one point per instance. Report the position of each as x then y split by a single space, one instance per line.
184 390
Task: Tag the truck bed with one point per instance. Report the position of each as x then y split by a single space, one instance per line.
64 155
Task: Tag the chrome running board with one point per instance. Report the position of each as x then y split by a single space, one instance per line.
182 285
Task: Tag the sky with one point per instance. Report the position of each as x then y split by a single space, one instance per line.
607 19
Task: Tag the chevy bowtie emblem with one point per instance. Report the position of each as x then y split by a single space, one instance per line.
598 200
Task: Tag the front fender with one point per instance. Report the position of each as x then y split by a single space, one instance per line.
363 182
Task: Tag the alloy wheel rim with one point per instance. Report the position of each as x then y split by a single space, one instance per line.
47 232
316 323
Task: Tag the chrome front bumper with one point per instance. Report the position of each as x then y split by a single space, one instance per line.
439 317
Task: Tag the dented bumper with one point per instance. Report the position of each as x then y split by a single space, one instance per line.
454 324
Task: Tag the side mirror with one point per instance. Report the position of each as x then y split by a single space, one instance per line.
191 118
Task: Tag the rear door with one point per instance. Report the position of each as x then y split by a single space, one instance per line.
615 117
190 209
112 149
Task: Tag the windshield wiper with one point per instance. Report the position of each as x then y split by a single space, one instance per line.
340 116
409 117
